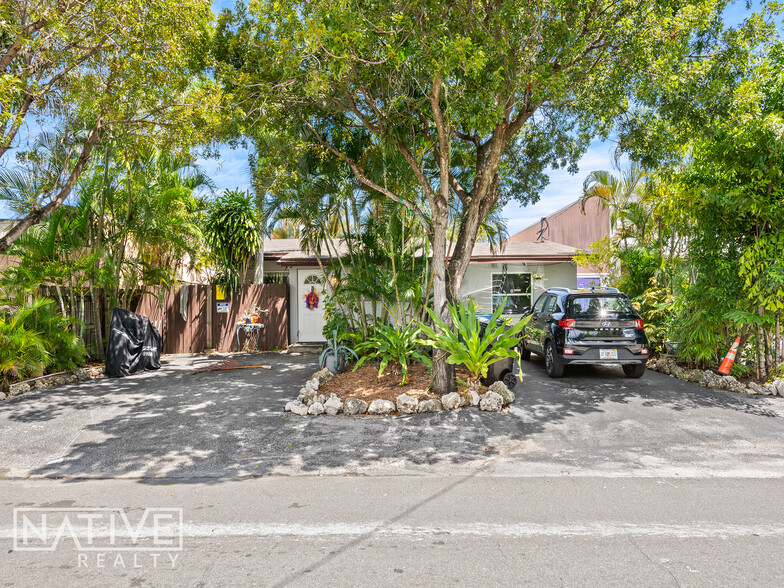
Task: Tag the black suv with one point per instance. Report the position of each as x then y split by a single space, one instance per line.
585 326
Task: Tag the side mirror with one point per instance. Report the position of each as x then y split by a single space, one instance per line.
526 310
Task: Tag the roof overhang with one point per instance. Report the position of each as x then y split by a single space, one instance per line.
522 259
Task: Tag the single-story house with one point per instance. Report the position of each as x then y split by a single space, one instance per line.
518 272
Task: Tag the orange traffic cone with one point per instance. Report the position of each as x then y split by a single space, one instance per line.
725 366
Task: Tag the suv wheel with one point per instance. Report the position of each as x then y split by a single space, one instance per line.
634 371
525 354
551 365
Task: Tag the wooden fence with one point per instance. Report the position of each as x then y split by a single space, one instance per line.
201 326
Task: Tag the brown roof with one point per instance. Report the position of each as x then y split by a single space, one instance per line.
526 251
280 247
289 254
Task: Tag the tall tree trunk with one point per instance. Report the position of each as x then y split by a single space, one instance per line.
761 356
443 377
96 298
60 300
81 316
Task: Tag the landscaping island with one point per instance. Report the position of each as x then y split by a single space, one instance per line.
371 394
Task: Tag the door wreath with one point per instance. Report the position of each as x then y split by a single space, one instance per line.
311 299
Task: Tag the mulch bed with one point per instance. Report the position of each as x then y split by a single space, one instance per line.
366 385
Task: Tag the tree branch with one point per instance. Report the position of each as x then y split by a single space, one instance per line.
367 181
36 216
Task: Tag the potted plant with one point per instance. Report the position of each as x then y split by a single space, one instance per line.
335 357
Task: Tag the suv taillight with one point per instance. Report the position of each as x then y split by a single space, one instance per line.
566 323
638 323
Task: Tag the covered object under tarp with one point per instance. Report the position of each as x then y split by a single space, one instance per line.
134 344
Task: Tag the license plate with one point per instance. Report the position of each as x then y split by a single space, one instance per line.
608 354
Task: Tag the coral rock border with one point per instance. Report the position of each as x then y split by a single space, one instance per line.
310 403
709 379
52 380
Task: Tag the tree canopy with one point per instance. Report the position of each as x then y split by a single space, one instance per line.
99 71
478 98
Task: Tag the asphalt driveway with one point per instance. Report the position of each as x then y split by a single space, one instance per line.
179 426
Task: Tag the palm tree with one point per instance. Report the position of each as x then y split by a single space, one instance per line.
617 194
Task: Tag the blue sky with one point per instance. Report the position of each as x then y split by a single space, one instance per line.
231 171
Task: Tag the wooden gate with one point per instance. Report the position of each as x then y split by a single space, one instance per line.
183 317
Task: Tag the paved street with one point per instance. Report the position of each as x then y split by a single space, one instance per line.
592 479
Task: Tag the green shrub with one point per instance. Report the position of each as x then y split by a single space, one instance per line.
22 350
464 343
35 338
393 344
657 308
66 349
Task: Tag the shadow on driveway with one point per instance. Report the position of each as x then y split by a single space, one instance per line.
178 426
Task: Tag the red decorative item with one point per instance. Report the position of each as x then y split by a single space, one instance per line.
311 300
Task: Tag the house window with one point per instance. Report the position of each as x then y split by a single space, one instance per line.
516 288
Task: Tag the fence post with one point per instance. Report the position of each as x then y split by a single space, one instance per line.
209 316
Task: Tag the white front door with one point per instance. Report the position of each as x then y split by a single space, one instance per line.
310 286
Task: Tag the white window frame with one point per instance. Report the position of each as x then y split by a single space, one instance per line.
500 275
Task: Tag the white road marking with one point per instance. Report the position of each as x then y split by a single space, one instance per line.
696 530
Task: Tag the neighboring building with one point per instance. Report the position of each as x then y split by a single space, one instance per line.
7 260
572 227
520 272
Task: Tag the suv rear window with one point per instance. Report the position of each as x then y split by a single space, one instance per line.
593 306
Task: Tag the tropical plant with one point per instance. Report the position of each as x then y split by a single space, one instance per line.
336 356
476 103
232 234
657 308
398 345
103 71
133 225
64 346
22 350
466 344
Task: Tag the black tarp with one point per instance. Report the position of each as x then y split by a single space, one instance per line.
134 344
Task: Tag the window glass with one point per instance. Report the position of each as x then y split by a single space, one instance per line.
550 305
540 303
515 288
597 306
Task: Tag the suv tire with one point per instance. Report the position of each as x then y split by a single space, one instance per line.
551 365
525 354
634 371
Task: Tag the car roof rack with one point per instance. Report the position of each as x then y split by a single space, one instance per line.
559 289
